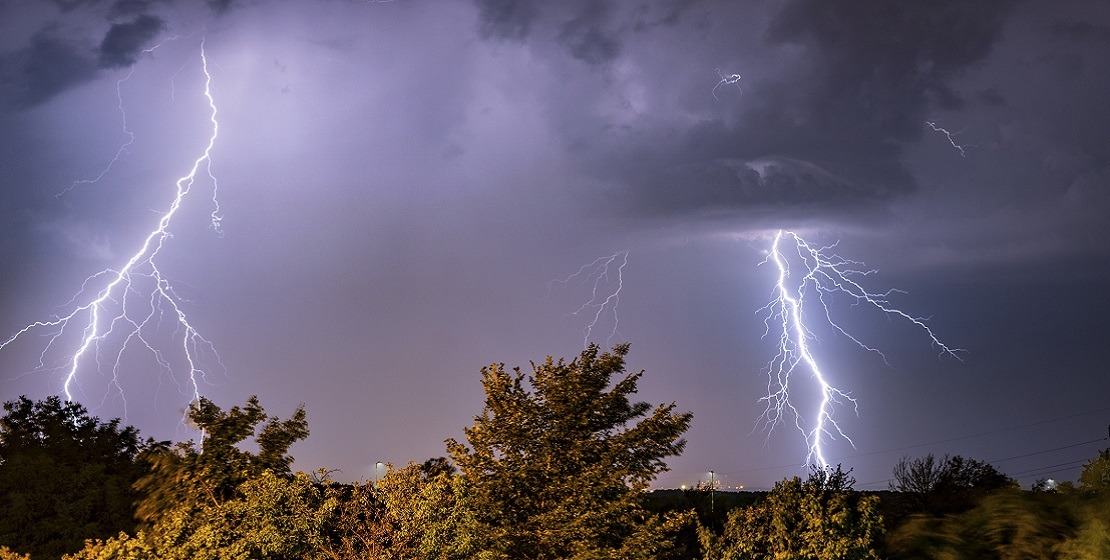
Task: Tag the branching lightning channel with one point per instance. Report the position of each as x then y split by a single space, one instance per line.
136 298
807 277
604 277
962 148
731 79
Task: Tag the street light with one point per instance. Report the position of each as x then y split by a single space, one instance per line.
712 487
376 467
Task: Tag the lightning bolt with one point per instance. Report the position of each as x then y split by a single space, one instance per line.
605 279
817 275
731 79
951 138
133 300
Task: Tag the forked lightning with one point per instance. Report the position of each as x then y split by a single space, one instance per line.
117 308
807 277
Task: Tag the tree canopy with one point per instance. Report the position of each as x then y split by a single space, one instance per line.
950 484
558 458
64 476
211 472
820 518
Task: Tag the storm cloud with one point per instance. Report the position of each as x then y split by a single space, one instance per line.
401 182
125 41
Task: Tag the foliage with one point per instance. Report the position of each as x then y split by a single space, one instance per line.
270 516
820 518
558 471
218 501
1096 474
1011 524
417 512
64 476
948 485
187 475
8 554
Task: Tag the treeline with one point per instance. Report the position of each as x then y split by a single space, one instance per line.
556 465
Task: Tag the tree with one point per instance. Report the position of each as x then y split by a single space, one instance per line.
950 485
216 501
1096 473
187 475
558 459
1011 524
268 517
820 518
65 476
412 513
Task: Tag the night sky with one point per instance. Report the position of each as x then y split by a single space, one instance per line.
401 183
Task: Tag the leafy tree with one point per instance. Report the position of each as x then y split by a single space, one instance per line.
558 459
1096 474
268 517
7 554
820 518
1011 524
211 473
65 476
411 513
216 501
948 485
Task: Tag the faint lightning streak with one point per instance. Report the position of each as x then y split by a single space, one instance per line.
727 80
605 292
122 148
127 282
951 138
123 118
823 274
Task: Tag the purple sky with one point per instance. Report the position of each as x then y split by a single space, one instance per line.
401 182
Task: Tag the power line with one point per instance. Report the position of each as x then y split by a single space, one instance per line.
1048 450
981 433
969 436
1066 466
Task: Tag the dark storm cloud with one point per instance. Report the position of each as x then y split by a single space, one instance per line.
67 5
505 19
129 8
832 126
1081 31
125 41
583 29
43 69
585 37
881 60
219 6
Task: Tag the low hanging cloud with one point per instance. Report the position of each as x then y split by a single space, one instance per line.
124 42
57 58
827 121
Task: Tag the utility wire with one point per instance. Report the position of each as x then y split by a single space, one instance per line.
980 434
1066 466
1048 450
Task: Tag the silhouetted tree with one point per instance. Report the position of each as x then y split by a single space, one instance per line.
948 485
558 460
65 476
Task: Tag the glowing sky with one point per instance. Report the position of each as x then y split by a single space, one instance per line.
401 182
